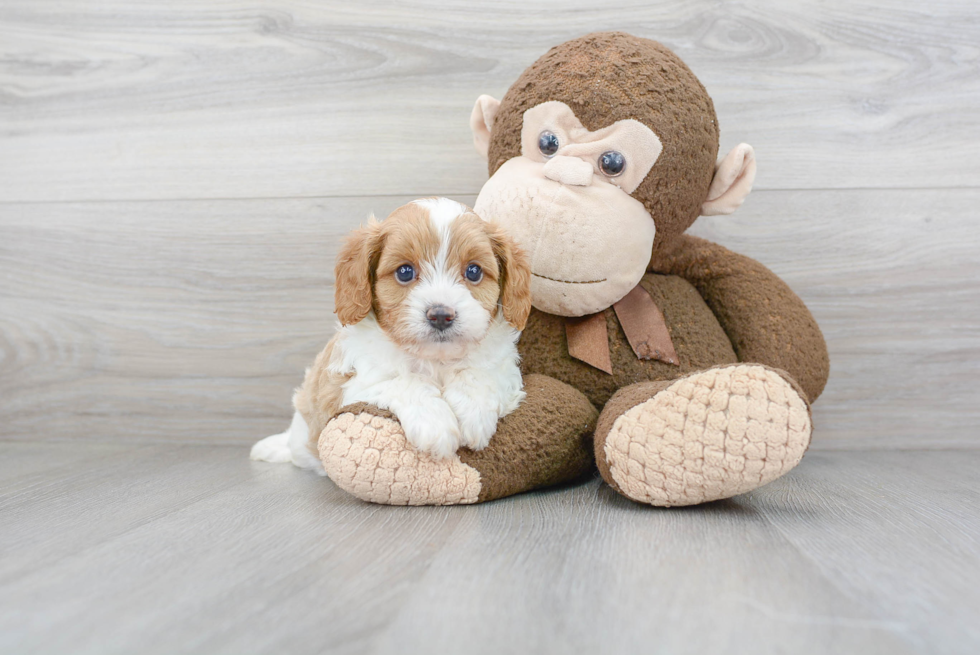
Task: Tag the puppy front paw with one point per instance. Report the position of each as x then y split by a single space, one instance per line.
476 427
432 428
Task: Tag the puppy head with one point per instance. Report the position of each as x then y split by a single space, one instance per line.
434 274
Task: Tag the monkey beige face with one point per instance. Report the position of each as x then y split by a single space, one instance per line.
566 200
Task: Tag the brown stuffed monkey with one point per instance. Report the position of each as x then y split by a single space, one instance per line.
682 370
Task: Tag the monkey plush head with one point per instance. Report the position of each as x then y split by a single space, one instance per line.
600 155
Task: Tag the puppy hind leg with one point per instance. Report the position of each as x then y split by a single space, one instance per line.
273 449
289 446
299 446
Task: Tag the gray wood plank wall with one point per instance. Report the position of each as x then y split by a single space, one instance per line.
175 176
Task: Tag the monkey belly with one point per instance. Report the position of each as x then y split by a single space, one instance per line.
698 339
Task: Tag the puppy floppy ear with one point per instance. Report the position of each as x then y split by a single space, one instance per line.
515 277
353 296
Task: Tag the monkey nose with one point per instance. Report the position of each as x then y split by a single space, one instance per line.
440 317
568 170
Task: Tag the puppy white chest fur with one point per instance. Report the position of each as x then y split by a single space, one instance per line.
442 403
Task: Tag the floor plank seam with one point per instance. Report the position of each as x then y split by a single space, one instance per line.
449 194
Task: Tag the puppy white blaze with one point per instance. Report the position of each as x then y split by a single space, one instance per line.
440 284
442 211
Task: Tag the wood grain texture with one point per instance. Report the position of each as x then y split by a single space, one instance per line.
193 321
182 99
179 320
196 549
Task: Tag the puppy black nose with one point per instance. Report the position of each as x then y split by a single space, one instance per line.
440 317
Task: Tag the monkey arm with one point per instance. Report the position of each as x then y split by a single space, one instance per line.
766 322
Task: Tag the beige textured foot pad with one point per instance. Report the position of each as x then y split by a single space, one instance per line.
708 436
368 456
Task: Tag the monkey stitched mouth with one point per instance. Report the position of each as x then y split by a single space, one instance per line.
545 277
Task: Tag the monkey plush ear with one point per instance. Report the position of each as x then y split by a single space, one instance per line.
732 181
481 122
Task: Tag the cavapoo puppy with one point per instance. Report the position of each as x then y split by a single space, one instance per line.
431 302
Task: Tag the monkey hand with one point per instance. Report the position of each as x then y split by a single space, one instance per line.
543 442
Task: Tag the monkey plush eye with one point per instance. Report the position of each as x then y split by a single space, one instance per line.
474 273
548 143
612 163
405 273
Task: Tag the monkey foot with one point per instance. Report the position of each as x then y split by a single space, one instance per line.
365 452
711 435
546 441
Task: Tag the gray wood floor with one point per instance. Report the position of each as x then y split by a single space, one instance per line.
194 549
174 179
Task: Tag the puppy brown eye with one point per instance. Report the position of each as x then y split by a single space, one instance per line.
474 273
548 143
612 163
405 273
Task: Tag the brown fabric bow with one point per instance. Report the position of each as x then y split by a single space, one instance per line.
643 323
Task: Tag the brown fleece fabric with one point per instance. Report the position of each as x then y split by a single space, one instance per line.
697 337
766 322
546 441
610 76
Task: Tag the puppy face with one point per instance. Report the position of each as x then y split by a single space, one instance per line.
434 274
